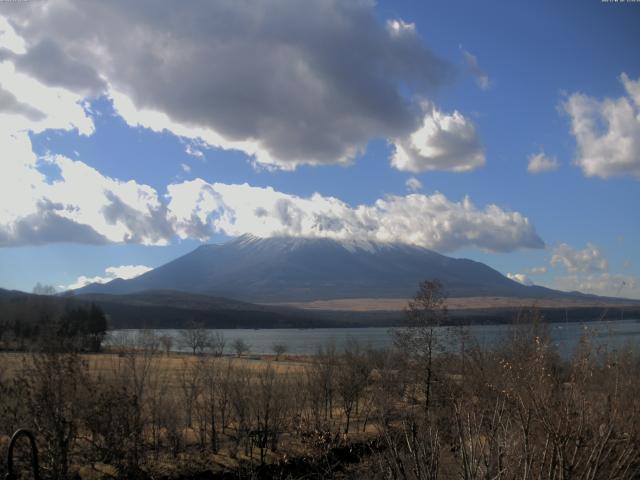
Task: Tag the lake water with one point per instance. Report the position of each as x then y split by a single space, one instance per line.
614 334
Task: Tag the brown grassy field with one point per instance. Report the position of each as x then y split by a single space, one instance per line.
516 411
176 382
461 303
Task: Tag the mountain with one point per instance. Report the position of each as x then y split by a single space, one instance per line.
10 294
286 269
174 309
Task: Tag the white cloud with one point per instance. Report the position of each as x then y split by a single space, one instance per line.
9 39
82 205
539 163
79 204
482 79
199 209
632 88
398 27
587 272
185 168
277 79
124 272
193 151
127 271
40 107
443 142
520 278
607 284
607 132
413 184
589 259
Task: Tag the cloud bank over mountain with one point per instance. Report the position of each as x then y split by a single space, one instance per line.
199 209
287 67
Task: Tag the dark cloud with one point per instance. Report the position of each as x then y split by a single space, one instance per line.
46 226
49 64
10 104
288 214
310 82
151 226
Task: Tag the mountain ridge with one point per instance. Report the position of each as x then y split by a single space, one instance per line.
290 269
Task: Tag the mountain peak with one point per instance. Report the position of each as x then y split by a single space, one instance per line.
289 242
293 269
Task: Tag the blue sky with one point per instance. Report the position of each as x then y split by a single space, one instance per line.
123 151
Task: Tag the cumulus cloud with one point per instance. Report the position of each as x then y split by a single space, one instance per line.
82 205
443 142
413 184
79 204
199 209
31 105
607 284
310 100
540 162
482 79
286 82
520 278
99 210
124 272
589 259
607 132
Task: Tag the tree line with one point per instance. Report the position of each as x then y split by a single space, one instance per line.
39 322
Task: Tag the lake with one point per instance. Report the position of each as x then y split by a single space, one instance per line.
614 334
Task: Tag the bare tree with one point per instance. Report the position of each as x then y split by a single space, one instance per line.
209 400
217 344
240 398
147 341
167 343
190 386
53 383
269 409
323 378
417 340
240 347
42 289
352 376
195 337
279 349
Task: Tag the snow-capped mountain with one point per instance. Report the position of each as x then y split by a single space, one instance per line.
287 269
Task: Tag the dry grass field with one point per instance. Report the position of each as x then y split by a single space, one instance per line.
515 411
461 303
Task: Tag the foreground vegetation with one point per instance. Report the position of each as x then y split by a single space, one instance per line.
518 411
